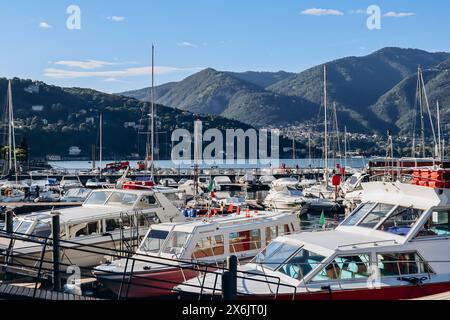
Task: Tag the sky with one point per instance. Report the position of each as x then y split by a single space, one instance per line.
110 48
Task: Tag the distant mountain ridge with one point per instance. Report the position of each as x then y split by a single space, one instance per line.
355 85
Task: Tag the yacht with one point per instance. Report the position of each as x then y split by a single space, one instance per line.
106 219
395 245
285 182
284 199
169 246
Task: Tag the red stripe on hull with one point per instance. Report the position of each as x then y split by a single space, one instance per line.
384 293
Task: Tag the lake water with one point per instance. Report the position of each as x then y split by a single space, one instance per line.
290 163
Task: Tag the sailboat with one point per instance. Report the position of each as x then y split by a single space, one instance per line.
10 191
323 189
148 182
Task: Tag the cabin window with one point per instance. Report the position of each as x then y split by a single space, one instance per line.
209 247
276 231
154 240
271 233
146 202
176 242
98 197
85 229
358 214
437 225
122 199
42 230
112 224
345 268
376 215
401 264
245 240
301 264
23 227
401 220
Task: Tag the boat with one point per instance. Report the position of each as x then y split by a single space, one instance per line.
284 182
70 182
99 182
395 245
140 183
284 199
106 219
167 246
266 180
168 182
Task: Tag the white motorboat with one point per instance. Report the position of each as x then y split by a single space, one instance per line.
395 245
168 182
168 246
284 199
97 183
285 182
69 182
266 180
106 219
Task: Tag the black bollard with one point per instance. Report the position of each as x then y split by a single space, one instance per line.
229 279
56 252
9 221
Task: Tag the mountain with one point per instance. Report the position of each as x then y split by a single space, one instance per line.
52 119
396 107
262 79
222 93
355 85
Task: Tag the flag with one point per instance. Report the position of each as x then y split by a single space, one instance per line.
322 219
211 186
230 208
238 210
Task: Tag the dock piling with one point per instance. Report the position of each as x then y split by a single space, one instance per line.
229 279
56 251
9 221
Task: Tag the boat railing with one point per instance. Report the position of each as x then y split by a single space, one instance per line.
374 243
39 266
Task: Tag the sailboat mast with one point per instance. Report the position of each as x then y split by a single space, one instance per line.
345 146
101 143
153 112
439 151
11 132
422 122
325 122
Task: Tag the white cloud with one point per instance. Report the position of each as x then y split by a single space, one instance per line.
113 74
187 44
322 12
116 18
44 25
394 14
87 65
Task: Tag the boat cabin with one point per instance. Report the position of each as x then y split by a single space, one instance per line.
217 238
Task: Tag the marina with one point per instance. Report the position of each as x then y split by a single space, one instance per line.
213 159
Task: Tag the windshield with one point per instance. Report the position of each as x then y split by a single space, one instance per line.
21 226
358 214
274 255
301 264
121 199
98 197
154 240
176 243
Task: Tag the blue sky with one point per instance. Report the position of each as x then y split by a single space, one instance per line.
111 51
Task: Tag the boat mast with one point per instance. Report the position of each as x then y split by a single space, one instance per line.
309 148
11 133
325 123
429 112
101 143
345 146
153 111
422 124
439 146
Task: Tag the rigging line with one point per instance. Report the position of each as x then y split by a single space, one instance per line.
414 121
429 114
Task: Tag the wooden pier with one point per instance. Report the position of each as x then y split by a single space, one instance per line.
27 292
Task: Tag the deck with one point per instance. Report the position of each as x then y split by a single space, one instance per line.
26 292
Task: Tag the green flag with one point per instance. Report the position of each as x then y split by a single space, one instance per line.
211 185
322 219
